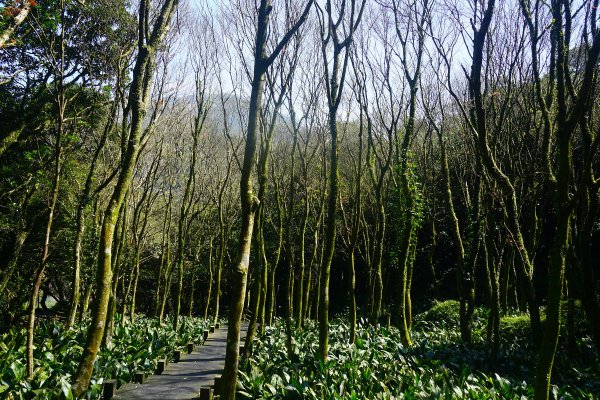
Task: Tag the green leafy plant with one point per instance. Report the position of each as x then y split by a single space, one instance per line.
438 366
134 346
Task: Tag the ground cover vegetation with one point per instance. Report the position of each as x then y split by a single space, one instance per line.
325 169
438 366
135 346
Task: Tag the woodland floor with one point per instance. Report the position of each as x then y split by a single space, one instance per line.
437 366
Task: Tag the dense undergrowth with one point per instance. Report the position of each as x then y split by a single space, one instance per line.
135 346
436 367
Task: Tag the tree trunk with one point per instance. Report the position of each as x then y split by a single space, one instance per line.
164 265
210 278
249 201
120 238
39 272
138 101
76 291
462 277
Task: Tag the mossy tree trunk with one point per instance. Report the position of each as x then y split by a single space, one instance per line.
142 78
421 19
567 121
478 125
249 201
117 262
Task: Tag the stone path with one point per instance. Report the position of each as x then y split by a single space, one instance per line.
183 380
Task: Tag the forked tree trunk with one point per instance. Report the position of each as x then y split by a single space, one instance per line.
479 127
249 201
335 79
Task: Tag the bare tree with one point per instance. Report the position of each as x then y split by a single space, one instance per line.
337 33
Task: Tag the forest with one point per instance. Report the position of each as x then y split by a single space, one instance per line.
377 199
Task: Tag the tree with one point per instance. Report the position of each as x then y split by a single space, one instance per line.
567 121
416 24
249 204
18 12
330 29
143 72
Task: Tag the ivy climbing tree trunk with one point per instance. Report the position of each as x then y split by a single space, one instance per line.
421 19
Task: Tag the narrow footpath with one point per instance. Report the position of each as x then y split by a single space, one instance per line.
182 380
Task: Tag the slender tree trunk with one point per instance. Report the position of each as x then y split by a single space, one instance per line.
163 266
39 272
354 236
249 201
217 293
210 278
302 266
377 269
187 204
223 236
76 291
271 292
462 277
167 283
289 248
136 277
260 282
